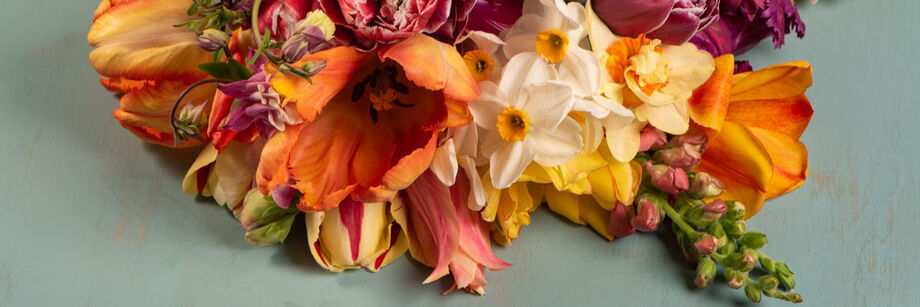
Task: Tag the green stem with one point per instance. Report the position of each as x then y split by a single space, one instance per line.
679 221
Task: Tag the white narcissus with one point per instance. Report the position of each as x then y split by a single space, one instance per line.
554 30
652 80
524 119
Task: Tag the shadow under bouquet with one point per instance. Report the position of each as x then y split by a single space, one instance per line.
438 126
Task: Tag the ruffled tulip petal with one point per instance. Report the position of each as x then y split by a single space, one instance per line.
138 40
774 82
790 161
431 224
272 170
444 71
710 102
341 64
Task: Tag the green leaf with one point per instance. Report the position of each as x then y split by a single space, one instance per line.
193 9
261 48
231 71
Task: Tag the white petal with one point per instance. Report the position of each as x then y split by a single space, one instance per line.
592 107
485 41
444 163
508 162
522 70
576 12
581 70
618 117
671 119
490 142
466 139
557 146
521 37
477 198
624 142
489 105
592 134
548 103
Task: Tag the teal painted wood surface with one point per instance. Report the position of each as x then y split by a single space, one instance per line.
92 216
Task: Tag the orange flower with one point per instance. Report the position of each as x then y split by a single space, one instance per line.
372 121
141 54
755 120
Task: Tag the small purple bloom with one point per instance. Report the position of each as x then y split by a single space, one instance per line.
744 23
258 105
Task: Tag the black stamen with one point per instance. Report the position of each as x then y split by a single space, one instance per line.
357 92
374 116
399 87
404 105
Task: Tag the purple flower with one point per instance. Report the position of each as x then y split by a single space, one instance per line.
494 16
744 23
672 21
258 105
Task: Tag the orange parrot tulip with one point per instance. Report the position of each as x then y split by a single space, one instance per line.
372 121
142 55
754 120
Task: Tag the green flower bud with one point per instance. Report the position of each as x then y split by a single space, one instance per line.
785 276
768 282
734 228
213 40
767 264
753 240
735 279
703 185
735 210
752 293
727 248
794 297
705 272
265 222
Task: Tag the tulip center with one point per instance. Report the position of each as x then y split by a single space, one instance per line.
552 44
480 64
513 124
383 89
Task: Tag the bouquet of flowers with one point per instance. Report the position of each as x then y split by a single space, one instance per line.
437 126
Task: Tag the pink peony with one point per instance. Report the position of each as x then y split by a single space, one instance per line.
384 22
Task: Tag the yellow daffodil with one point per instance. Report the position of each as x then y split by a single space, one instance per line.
652 80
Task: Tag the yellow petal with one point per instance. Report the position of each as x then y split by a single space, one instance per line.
773 82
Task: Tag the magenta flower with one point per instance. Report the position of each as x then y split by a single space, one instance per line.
385 22
744 23
280 16
672 21
495 16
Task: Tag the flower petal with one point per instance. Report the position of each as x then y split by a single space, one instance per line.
790 161
741 162
789 116
311 97
508 162
522 70
558 146
710 102
624 142
581 70
774 82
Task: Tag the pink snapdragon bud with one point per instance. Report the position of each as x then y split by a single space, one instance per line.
706 244
652 138
704 185
648 213
685 156
668 179
735 278
714 210
620 225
